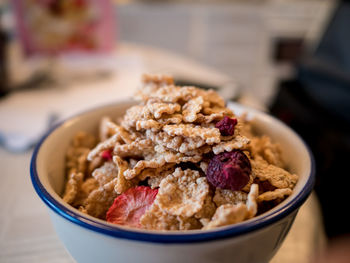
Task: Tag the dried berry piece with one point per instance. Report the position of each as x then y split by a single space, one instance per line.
226 126
229 170
128 208
107 155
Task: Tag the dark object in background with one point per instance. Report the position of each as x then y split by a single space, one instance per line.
317 105
288 49
329 140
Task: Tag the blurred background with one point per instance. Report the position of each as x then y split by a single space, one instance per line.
287 57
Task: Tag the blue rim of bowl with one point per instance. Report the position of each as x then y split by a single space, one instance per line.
173 237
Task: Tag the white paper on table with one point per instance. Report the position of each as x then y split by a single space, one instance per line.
27 112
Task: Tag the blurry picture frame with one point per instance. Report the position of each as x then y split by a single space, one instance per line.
51 27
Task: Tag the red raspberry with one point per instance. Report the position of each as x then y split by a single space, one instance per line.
107 155
229 170
128 208
226 126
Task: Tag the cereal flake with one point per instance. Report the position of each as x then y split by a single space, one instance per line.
182 193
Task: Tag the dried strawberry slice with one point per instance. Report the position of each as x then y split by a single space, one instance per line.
128 208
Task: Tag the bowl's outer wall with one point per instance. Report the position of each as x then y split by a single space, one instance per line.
88 246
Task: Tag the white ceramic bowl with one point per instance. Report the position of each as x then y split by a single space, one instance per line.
92 240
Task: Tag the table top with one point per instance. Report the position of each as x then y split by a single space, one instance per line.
26 232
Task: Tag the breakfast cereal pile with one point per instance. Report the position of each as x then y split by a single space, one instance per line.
178 160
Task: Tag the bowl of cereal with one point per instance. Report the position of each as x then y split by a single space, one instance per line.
174 176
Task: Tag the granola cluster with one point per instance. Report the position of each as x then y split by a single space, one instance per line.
168 143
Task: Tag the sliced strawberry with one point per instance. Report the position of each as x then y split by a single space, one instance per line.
128 208
107 155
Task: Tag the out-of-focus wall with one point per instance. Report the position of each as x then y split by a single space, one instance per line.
236 38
